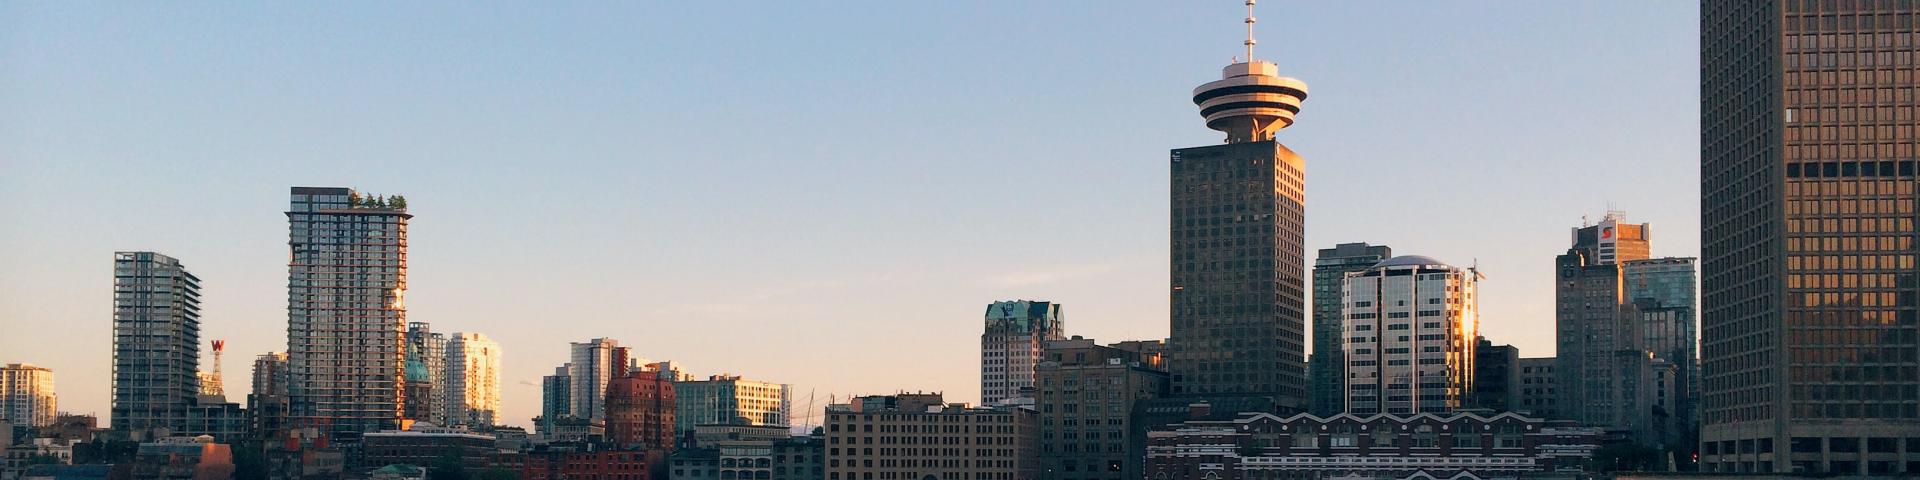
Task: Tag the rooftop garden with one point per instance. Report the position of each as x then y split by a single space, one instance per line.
396 202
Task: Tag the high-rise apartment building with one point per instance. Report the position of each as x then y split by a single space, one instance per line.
555 399
270 374
1327 370
1412 322
26 395
156 342
426 372
1016 331
919 438
1237 233
729 400
1808 149
472 381
1085 395
346 309
640 408
594 363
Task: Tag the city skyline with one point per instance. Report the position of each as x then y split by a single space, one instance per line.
706 254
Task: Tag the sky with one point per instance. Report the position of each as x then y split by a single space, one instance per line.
826 194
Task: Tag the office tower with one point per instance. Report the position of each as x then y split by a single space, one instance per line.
1496 376
472 381
1016 331
555 401
1606 370
595 362
1327 370
346 309
1613 240
1411 327
941 441
1664 291
426 372
26 395
1807 151
1085 395
156 342
729 400
1239 213
270 374
640 409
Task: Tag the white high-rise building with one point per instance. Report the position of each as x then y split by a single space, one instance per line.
472 380
1411 323
1016 332
26 395
594 363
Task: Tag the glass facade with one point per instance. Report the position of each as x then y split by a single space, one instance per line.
1808 151
1327 371
1412 327
1238 229
346 310
156 342
729 400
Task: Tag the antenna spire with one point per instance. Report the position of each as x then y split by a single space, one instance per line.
1250 41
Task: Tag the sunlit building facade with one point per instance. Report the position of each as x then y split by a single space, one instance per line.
594 363
1327 370
1412 329
156 343
346 310
472 381
729 400
1016 332
1808 153
26 395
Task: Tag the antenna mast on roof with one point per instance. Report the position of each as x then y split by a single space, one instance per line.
1250 41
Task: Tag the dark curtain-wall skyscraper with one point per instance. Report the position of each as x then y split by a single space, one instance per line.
1238 254
1808 172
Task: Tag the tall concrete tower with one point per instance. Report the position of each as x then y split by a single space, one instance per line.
1237 237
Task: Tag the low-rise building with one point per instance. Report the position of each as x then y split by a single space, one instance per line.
941 441
1267 447
1086 394
424 443
184 458
604 464
694 464
38 451
1539 391
800 458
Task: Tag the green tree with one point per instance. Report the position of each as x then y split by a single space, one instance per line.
398 201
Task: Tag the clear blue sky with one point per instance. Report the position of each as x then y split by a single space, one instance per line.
820 193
